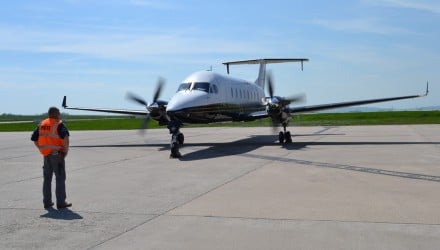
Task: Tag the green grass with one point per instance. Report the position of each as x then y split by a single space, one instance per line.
368 118
82 123
321 119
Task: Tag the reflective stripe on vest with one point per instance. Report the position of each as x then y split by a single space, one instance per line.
49 140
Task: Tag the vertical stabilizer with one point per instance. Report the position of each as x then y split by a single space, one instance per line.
261 79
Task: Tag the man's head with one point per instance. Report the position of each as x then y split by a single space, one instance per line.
54 112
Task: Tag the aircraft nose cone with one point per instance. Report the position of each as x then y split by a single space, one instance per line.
182 101
176 104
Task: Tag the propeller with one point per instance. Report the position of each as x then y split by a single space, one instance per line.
137 99
276 105
278 101
158 91
157 109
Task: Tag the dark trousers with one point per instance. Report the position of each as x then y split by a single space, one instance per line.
54 164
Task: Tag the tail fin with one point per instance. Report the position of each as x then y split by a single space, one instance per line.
261 79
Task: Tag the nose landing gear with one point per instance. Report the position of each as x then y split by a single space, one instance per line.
177 138
284 136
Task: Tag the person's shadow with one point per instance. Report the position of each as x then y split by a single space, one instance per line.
61 214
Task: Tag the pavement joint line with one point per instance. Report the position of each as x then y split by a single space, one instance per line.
16 157
124 232
75 170
105 164
22 180
180 205
407 175
302 220
80 211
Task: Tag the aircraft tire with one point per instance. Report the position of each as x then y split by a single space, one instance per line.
180 138
288 137
281 137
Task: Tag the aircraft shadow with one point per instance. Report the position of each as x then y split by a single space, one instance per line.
216 150
244 148
221 149
62 214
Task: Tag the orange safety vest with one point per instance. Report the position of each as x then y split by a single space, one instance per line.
48 140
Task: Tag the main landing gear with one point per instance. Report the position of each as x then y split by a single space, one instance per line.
177 138
284 136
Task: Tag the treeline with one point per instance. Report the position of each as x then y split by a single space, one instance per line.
14 117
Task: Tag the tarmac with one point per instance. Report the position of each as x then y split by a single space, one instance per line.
354 187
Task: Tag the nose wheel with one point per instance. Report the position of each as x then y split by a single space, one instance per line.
284 137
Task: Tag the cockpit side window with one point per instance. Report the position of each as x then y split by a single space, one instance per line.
202 86
184 86
213 89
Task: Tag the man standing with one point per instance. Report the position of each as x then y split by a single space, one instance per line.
51 137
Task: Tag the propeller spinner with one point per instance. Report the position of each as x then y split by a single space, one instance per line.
157 109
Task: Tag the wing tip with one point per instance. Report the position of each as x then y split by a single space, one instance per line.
427 88
64 104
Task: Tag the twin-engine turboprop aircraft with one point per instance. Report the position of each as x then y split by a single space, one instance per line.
208 97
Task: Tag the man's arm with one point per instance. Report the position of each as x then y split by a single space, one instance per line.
64 134
35 136
66 145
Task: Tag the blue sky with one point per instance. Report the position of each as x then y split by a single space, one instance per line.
96 51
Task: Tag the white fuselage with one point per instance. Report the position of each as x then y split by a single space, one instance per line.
206 96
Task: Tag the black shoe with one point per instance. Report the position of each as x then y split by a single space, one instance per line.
64 205
49 205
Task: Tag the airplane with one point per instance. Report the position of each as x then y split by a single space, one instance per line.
209 97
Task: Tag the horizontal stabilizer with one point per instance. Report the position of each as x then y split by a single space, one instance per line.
267 61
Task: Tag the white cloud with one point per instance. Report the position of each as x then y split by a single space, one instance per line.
127 46
432 7
359 26
155 4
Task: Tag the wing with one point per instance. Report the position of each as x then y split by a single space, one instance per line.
116 111
352 103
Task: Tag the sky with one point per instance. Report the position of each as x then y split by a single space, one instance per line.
94 52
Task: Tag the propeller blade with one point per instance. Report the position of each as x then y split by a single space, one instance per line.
159 87
144 125
137 99
293 99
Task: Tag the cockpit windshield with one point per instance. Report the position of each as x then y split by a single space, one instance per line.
203 86
184 86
